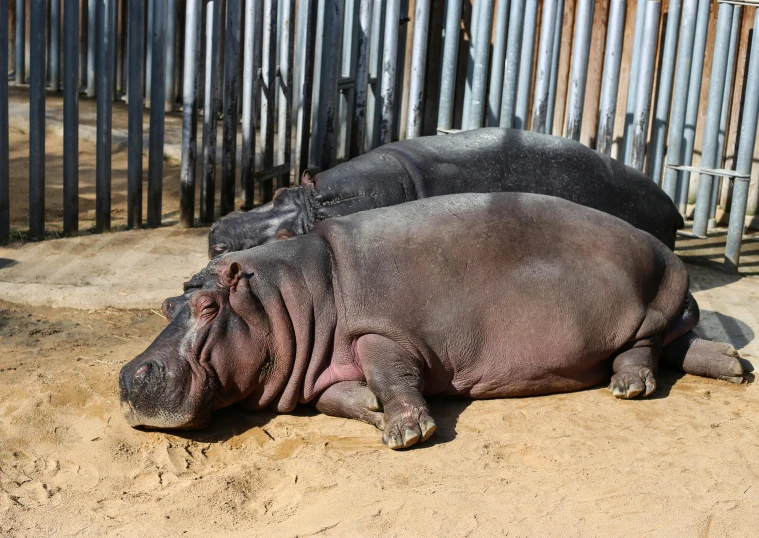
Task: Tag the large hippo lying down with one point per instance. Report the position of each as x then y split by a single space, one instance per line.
482 160
476 296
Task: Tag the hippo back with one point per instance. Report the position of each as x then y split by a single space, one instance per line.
496 160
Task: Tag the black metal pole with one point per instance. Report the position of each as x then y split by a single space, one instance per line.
4 166
136 55
157 114
71 78
38 16
104 84
229 134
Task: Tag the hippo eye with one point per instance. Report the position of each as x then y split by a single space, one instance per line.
220 248
206 308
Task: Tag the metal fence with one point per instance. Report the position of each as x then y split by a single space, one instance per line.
312 82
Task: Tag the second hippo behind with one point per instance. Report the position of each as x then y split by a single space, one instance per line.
477 161
475 296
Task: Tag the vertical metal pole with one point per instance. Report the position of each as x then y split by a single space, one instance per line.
545 55
211 106
667 72
694 99
171 51
114 52
189 113
709 157
20 41
645 84
450 57
555 57
725 110
640 18
123 56
268 71
511 68
70 116
287 39
474 21
497 64
229 133
136 76
309 73
4 149
55 45
680 97
607 107
744 159
249 94
418 64
83 44
157 115
525 65
481 58
37 16
92 45
358 130
149 52
579 76
389 55
104 117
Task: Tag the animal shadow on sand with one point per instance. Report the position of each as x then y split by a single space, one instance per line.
233 421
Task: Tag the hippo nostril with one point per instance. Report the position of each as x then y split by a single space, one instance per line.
144 369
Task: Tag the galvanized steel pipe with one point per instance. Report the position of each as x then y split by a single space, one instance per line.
545 55
607 107
744 159
268 69
190 113
497 64
709 157
481 58
579 74
694 99
663 101
287 40
640 18
450 58
525 64
511 68
358 129
680 97
418 64
210 108
645 84
389 56
249 95
555 57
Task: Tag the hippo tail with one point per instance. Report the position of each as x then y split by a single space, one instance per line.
685 351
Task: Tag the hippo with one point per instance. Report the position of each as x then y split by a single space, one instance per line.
473 296
480 160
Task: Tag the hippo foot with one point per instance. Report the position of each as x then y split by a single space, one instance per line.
406 425
630 383
352 399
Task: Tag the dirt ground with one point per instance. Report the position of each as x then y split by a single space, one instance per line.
682 463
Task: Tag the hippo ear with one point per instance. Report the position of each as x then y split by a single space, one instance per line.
231 276
284 234
307 178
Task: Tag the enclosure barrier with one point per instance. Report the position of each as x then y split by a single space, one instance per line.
310 83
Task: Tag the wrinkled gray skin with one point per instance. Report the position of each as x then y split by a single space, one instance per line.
481 160
475 296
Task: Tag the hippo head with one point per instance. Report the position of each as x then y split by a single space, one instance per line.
212 354
279 219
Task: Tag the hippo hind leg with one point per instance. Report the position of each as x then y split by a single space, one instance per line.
698 356
395 376
351 399
635 368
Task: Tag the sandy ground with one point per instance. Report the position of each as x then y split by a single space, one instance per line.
682 463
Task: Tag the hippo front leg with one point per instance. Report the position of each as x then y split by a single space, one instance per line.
635 369
395 376
351 399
